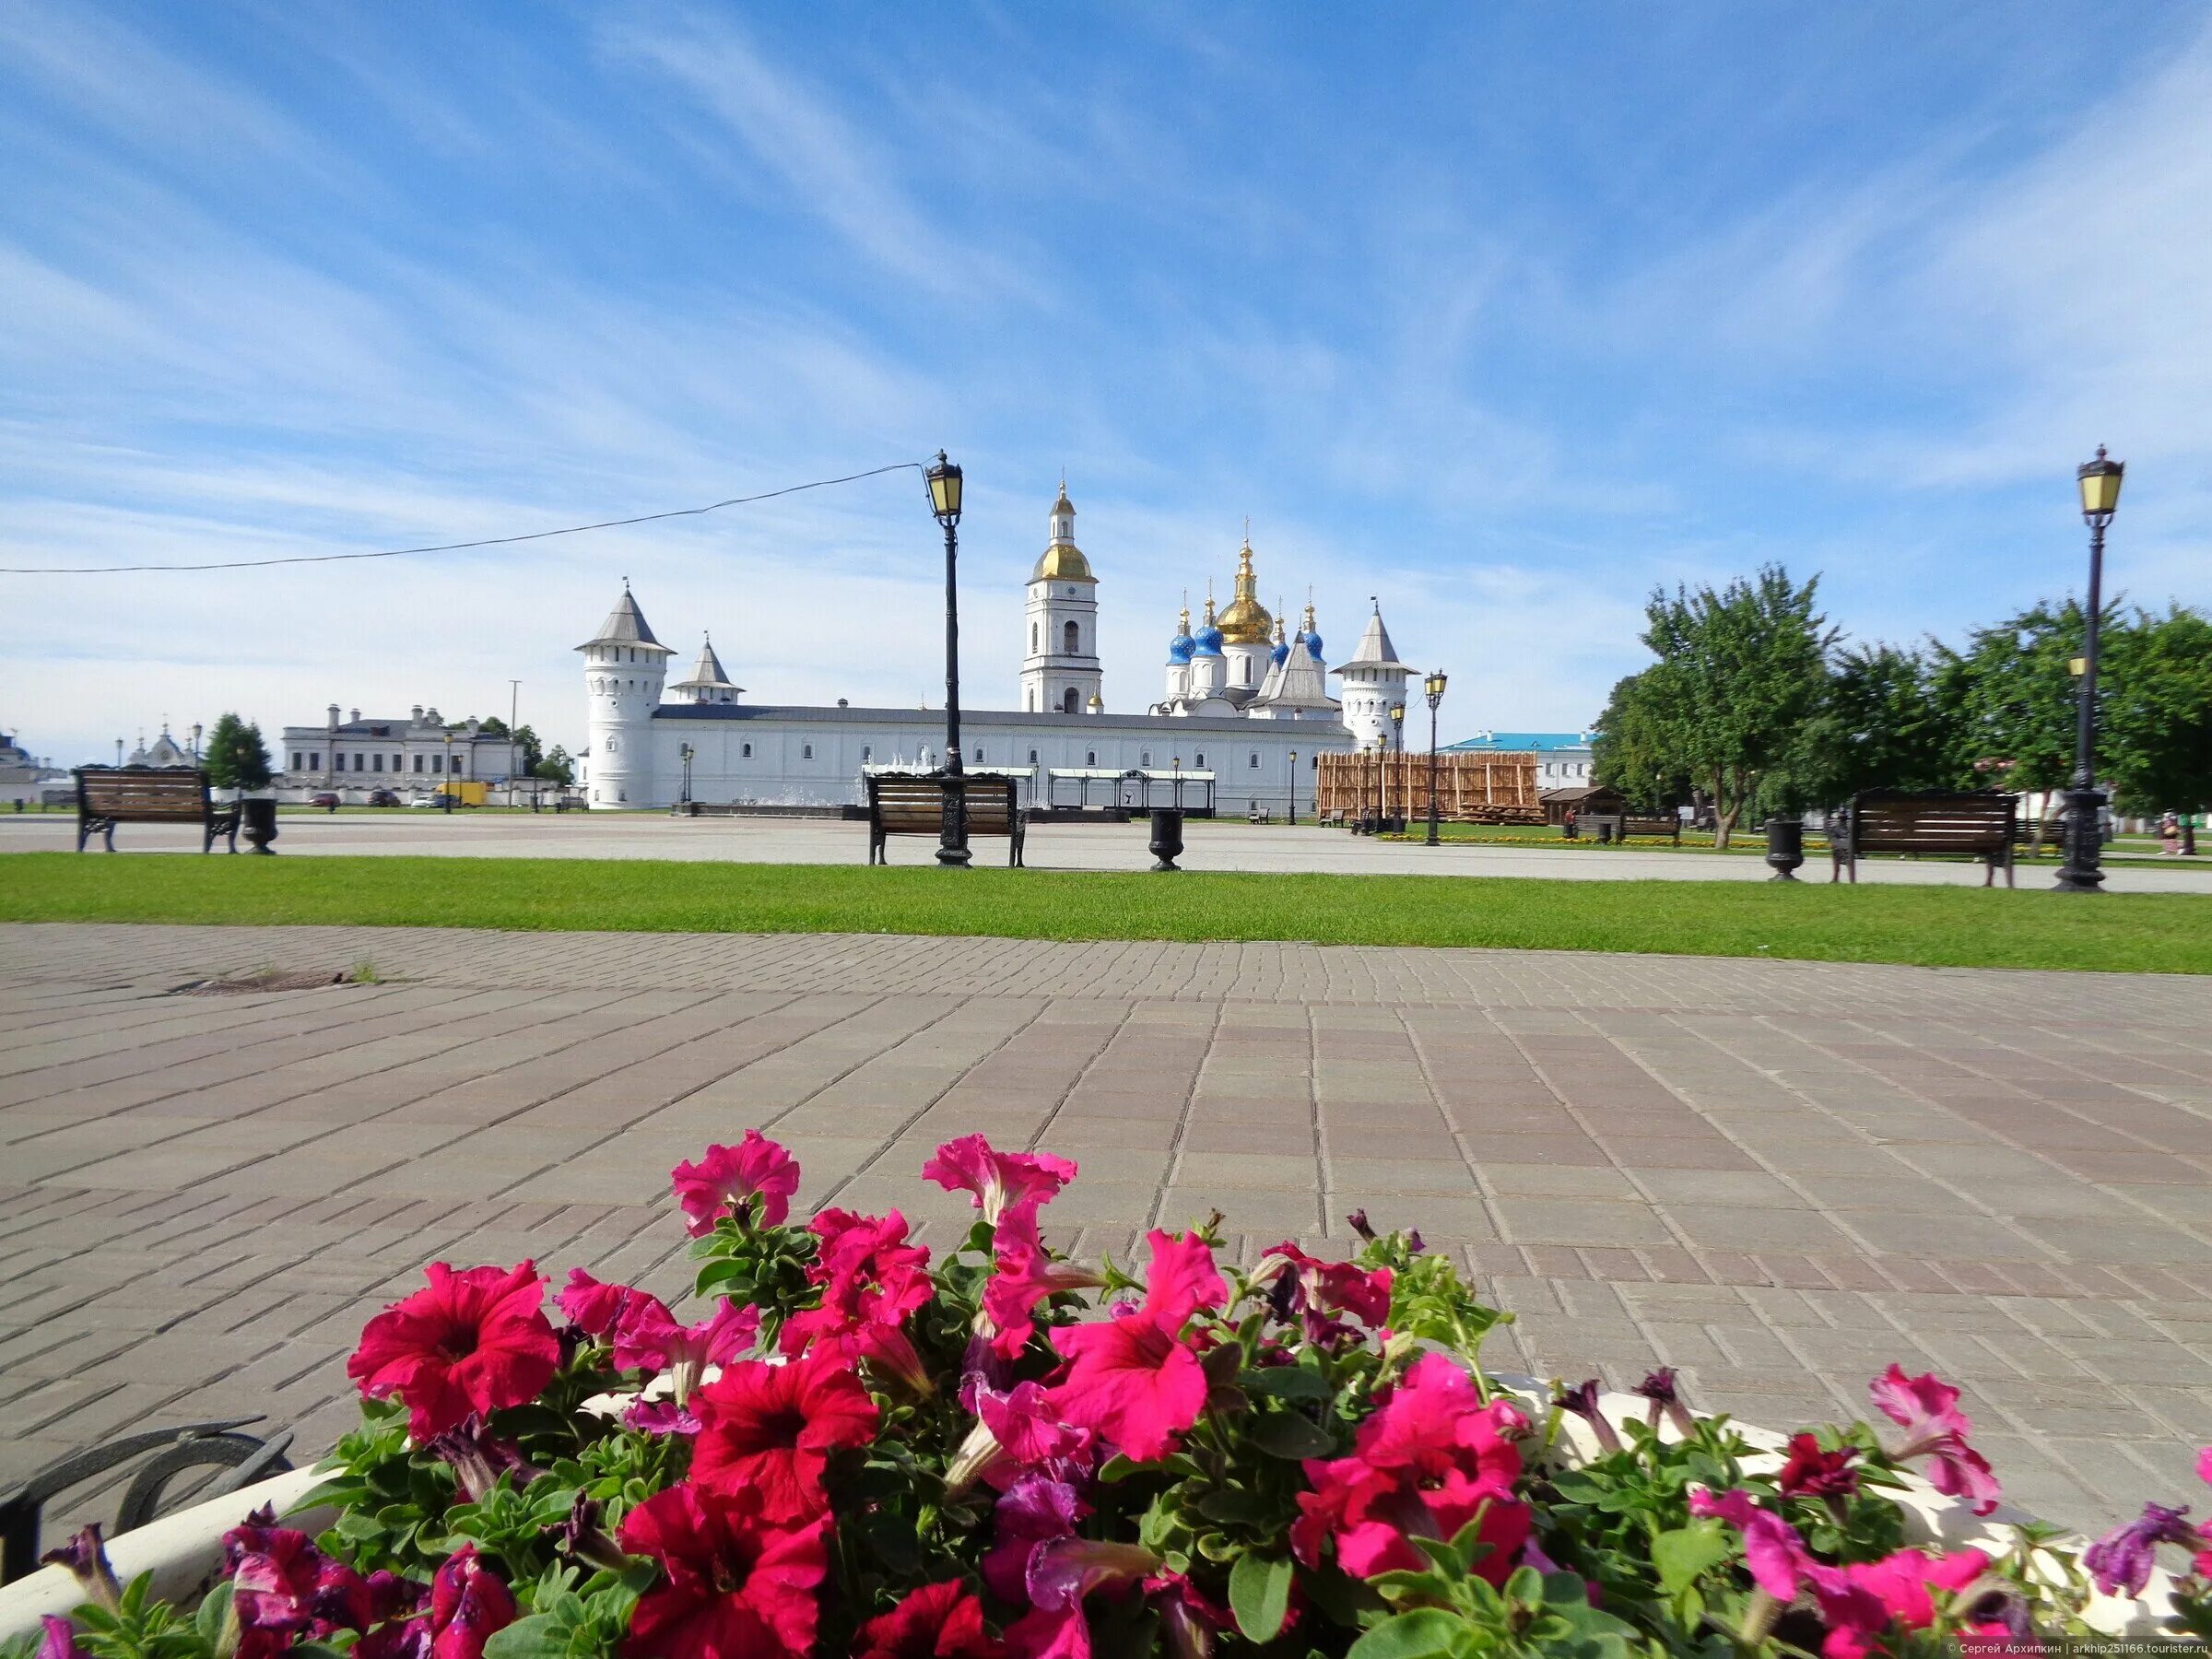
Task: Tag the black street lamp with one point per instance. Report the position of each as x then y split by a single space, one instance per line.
686 751
1433 689
1397 728
449 790
2099 481
945 503
1294 789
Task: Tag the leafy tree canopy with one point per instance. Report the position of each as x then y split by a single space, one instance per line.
236 756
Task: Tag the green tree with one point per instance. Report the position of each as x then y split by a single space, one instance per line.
1739 674
2011 693
1638 743
1881 724
235 756
556 768
2155 712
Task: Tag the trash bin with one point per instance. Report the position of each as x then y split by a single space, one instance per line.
1786 847
1166 837
257 819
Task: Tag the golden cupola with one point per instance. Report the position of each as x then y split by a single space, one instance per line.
1246 621
1062 561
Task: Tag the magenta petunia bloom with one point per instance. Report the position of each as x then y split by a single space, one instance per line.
649 1337
1316 1292
1433 1458
1061 1574
1131 1379
1927 1409
1773 1549
1023 1274
469 1604
472 1342
57 1639
1860 1604
871 1280
733 1587
592 1305
1033 1511
728 1176
1810 1472
998 1182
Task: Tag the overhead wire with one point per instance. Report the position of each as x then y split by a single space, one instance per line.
490 541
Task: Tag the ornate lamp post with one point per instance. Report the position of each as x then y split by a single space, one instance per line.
945 503
449 790
197 729
1433 689
1294 789
686 751
2099 481
1397 729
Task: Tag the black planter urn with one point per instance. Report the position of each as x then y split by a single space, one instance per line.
258 820
1166 837
1786 847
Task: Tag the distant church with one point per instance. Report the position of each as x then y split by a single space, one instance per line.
1241 700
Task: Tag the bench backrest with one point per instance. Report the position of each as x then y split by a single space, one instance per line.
916 806
111 793
1893 821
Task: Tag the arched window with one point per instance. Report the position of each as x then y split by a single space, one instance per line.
1243 670
1071 640
866 752
1069 703
1091 757
1144 758
612 745
807 752
979 751
1032 639
1255 756
745 751
1033 757
1199 759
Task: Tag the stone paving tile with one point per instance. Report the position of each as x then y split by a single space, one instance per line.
1777 1177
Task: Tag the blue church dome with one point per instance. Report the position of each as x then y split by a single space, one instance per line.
1280 655
1314 646
1207 640
1180 649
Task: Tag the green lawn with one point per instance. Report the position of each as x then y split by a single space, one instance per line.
1962 926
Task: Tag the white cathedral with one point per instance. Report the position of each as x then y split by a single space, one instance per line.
1243 702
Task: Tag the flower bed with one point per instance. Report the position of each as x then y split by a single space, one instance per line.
854 1451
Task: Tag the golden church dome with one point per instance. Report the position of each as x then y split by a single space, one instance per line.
1246 621
1062 561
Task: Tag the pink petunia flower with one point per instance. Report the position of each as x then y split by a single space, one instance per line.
1432 1458
727 1177
469 1604
1927 1409
1315 1291
1810 1472
997 1181
871 1280
1131 1380
592 1305
1023 1274
1860 1604
1773 1549
2120 1562
938 1621
649 1338
474 1341
1017 1433
1061 1574
57 1639
1031 1513
733 1587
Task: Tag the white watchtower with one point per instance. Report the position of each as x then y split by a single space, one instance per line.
1060 672
1373 680
623 666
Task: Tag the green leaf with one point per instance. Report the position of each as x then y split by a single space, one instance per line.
1285 1382
1685 1554
215 1607
541 1636
1425 1633
1287 1435
1259 1595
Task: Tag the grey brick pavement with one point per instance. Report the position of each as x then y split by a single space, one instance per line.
1775 1176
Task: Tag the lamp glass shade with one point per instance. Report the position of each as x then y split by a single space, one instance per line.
1397 711
945 487
1434 685
2100 486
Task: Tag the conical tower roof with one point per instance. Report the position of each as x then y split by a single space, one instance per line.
1375 649
707 672
626 625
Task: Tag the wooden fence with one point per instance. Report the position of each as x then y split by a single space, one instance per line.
1477 787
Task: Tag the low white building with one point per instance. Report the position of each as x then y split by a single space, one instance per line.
402 754
1257 734
1563 759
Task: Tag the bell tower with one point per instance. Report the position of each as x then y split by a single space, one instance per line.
624 667
1060 672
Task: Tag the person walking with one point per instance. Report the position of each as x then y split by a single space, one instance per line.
2170 836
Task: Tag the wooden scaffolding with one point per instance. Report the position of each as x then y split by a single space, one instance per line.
1473 786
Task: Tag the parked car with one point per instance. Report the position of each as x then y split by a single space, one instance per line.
327 799
438 800
383 797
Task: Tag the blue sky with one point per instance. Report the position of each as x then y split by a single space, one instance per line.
1502 314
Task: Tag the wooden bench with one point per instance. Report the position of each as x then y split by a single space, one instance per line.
108 795
1983 824
1668 825
915 805
1259 815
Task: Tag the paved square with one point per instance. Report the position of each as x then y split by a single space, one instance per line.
1776 1176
